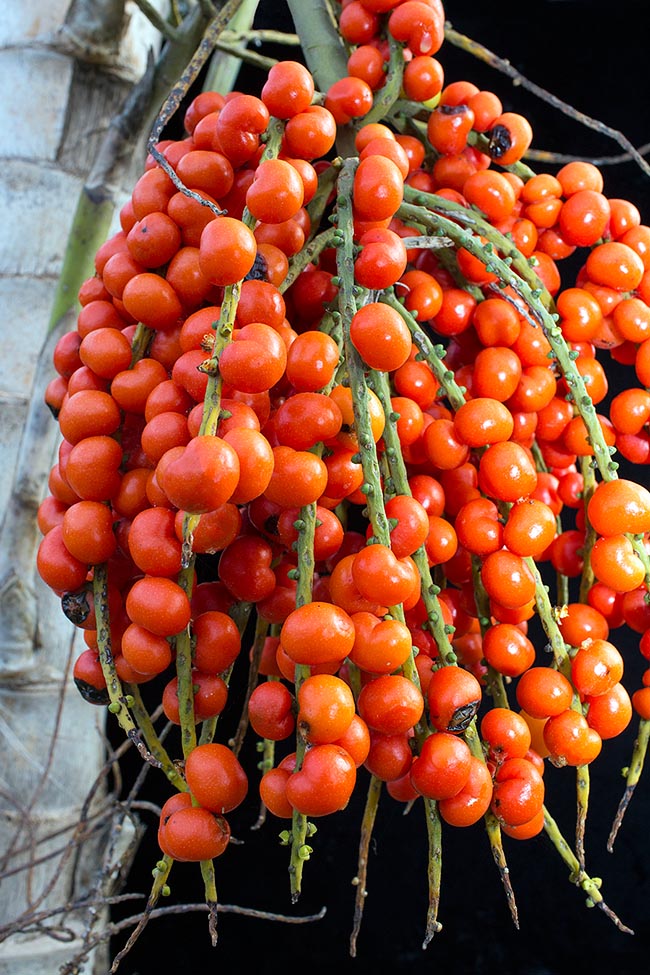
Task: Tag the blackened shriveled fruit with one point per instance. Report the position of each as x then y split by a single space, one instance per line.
77 605
93 695
500 141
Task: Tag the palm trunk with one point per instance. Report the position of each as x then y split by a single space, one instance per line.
56 109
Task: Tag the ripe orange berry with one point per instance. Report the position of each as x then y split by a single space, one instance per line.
215 777
543 692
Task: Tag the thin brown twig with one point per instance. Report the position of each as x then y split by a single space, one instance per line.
262 36
113 871
245 55
32 916
116 927
261 630
179 90
70 907
224 909
95 824
369 817
26 811
560 158
505 67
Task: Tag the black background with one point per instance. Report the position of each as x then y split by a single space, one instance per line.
594 56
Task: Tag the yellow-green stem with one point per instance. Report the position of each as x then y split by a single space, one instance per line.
388 94
367 825
632 776
589 486
300 851
583 779
210 886
257 647
549 618
306 255
185 685
495 685
493 830
223 329
434 869
118 704
578 876
399 475
432 354
155 746
468 229
159 888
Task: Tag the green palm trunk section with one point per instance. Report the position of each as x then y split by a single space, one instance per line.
320 41
90 226
224 68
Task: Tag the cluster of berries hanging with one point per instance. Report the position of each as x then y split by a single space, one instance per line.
330 418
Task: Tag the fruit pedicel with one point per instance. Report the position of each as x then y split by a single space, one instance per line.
336 419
